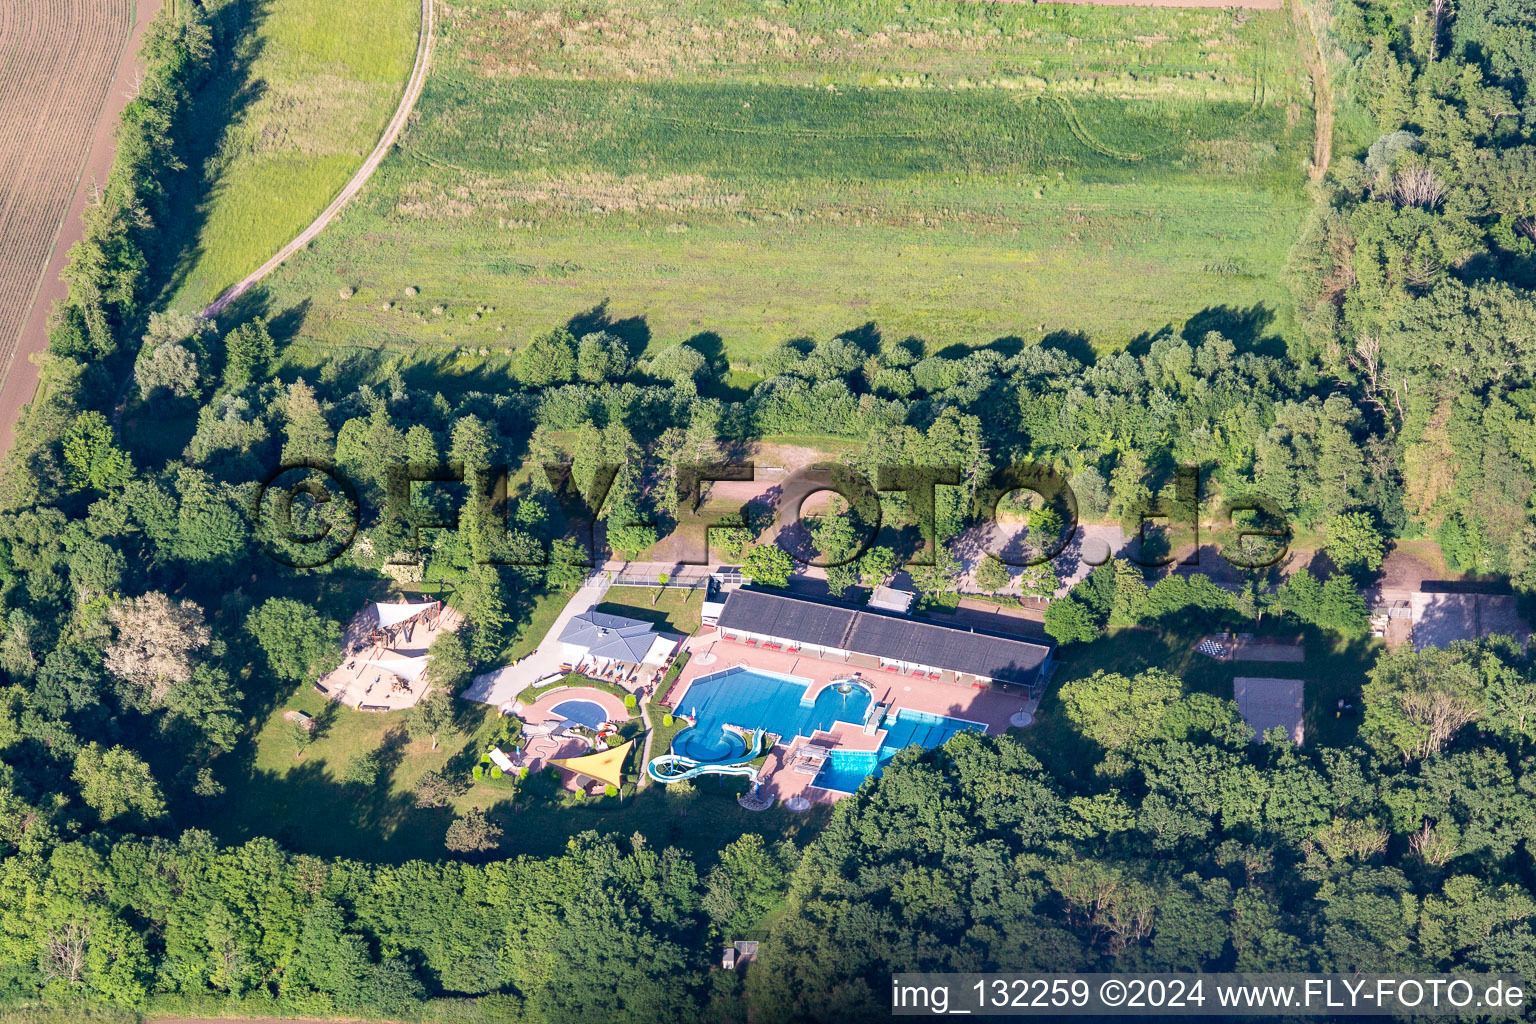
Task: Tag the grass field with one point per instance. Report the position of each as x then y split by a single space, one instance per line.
959 172
311 87
674 610
300 798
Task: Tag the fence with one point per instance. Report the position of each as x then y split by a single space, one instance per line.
673 582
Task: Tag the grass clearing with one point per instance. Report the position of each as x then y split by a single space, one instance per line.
311 87
302 801
674 610
956 172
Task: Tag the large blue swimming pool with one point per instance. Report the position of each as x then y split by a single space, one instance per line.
753 699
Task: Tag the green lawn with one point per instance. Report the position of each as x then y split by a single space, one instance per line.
531 628
958 172
674 610
275 789
311 88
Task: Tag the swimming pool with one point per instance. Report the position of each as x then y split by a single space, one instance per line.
755 699
583 712
846 770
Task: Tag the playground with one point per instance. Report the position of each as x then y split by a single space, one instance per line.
386 652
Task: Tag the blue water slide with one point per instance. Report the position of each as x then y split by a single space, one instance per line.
669 768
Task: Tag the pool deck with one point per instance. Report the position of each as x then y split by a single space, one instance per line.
711 653
539 750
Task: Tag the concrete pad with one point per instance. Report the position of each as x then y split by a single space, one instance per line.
1266 703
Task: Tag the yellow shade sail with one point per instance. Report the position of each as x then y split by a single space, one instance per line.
606 766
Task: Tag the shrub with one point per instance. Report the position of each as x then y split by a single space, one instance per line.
610 790
346 292
495 771
666 720
630 702
477 771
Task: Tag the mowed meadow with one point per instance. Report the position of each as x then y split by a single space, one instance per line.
308 89
958 172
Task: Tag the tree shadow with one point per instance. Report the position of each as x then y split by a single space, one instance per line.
430 371
325 720
1008 345
213 113
285 325
866 336
634 331
1072 343
912 346
1243 327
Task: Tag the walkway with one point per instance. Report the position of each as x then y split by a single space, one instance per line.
1322 88
500 686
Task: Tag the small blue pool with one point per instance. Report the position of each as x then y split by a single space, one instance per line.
846 770
583 712
757 700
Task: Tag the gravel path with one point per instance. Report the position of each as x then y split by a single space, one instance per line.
391 133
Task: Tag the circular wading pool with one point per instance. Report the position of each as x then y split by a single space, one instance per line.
584 712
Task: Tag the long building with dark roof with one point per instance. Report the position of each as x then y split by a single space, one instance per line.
871 639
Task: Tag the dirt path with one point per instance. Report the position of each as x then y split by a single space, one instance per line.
21 376
386 141
1322 90
1253 5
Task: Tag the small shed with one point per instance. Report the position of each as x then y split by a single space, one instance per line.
889 599
738 954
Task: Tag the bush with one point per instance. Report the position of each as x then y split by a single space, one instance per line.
630 702
496 771
477 772
610 790
666 720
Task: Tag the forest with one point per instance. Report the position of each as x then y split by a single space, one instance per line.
146 626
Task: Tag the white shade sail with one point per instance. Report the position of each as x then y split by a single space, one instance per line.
393 614
406 668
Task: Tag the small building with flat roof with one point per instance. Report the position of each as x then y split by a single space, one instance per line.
889 599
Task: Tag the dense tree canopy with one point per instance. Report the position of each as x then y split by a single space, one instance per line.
1138 826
